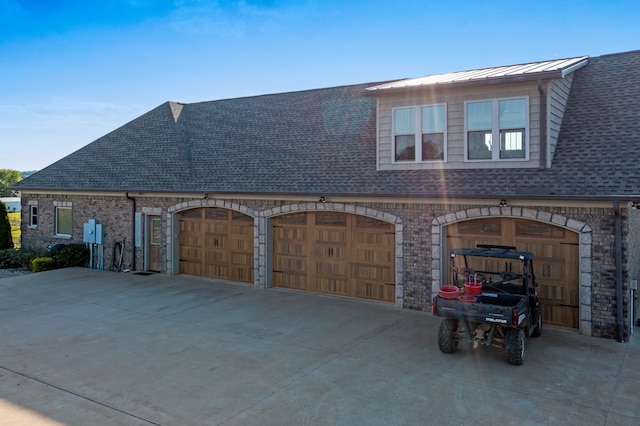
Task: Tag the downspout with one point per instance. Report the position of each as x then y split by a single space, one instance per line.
133 230
543 126
618 249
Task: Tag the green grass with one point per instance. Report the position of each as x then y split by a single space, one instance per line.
14 220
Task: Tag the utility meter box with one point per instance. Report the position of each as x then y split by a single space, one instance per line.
92 232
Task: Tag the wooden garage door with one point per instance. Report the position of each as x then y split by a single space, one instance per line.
335 253
216 243
555 261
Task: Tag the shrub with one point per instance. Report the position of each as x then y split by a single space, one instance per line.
20 258
11 259
40 264
72 255
28 252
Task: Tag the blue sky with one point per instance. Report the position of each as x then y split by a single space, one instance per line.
74 70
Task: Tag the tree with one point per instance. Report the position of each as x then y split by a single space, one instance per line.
6 241
7 178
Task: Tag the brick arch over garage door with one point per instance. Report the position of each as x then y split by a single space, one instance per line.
212 238
337 249
512 224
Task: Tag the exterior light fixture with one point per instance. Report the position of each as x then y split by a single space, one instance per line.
635 205
503 203
322 200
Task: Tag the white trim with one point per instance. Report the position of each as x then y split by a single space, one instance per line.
575 67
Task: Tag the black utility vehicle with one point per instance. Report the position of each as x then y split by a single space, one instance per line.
501 313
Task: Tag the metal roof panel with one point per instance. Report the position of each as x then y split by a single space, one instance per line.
531 70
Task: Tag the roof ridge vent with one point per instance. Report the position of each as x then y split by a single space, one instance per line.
176 109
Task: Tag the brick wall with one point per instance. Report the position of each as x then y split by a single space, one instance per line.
114 212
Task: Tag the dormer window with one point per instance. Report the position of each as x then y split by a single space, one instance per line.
420 133
502 120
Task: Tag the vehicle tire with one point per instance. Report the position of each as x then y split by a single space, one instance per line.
514 346
447 338
538 324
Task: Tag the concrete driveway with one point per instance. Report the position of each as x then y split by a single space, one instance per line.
81 346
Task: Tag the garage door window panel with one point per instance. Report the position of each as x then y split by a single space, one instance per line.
536 229
192 214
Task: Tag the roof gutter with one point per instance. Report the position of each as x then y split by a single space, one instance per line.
133 230
533 195
544 143
424 195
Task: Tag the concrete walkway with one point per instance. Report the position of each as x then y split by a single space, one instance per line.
82 347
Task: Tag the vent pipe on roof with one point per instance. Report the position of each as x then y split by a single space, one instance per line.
133 230
544 145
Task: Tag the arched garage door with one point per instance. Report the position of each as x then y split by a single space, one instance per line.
216 243
555 261
335 253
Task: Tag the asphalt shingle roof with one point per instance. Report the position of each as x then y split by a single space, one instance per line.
323 142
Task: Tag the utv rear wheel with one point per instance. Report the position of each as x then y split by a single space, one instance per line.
447 338
514 346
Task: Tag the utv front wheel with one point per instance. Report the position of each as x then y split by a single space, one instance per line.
514 346
447 339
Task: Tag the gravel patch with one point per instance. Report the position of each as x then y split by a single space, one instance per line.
6 273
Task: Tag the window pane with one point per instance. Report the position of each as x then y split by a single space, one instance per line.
34 216
479 115
156 231
433 146
479 145
404 121
433 119
405 147
63 221
512 143
513 113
